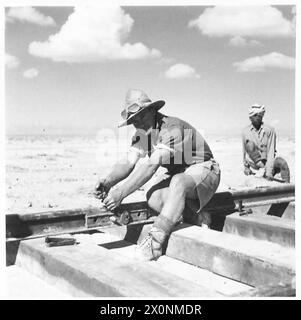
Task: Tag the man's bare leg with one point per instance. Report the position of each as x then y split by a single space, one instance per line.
181 186
155 201
281 166
254 154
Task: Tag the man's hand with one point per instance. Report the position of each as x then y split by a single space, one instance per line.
113 200
247 171
269 177
102 188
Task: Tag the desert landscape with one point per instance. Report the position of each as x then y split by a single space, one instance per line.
46 173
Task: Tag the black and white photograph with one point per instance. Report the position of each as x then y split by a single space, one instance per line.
149 151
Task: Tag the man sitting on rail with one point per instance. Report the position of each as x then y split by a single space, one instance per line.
259 148
192 172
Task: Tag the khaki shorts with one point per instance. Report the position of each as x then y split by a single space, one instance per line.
206 176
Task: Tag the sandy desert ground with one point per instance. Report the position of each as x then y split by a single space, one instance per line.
54 172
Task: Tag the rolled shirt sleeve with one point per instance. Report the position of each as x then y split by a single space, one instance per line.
139 144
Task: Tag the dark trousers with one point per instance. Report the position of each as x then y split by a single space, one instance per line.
279 165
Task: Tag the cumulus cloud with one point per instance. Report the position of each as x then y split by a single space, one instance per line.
239 23
11 61
29 14
179 71
93 34
31 73
261 63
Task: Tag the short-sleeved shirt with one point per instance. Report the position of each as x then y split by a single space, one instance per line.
186 145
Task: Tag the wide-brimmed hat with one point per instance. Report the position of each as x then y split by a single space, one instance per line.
135 102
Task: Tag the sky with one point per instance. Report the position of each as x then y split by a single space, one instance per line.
68 68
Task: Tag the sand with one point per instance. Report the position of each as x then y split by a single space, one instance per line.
50 172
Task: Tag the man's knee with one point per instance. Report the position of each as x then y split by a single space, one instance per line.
180 185
253 152
281 163
250 146
281 166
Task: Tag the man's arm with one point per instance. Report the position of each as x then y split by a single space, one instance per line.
247 170
243 149
137 179
271 150
119 171
122 168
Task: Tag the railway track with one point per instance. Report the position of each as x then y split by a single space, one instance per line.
248 250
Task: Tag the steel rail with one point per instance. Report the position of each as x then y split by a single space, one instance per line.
18 225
